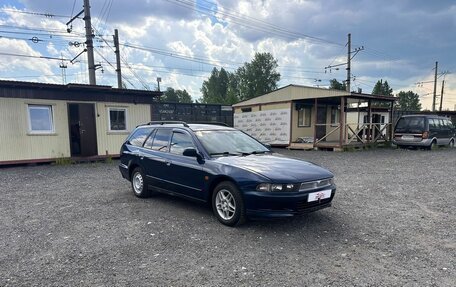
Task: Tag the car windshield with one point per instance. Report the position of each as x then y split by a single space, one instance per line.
229 142
410 125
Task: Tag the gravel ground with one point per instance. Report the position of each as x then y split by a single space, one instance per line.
392 223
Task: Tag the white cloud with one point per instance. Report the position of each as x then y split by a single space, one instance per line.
402 40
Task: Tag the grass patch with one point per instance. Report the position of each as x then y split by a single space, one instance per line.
63 160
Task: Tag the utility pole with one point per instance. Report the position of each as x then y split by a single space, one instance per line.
63 66
159 79
348 62
435 87
441 95
117 51
350 55
89 43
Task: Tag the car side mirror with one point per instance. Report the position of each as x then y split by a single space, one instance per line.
268 146
190 152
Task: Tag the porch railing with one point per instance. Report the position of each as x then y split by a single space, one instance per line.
356 132
367 132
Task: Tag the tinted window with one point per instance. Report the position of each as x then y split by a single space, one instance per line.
442 124
180 142
222 142
139 136
433 124
161 139
410 125
150 139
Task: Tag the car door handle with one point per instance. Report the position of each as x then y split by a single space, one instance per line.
168 163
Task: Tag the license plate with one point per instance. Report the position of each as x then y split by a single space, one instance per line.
408 138
319 195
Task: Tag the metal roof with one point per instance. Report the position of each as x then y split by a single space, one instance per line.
75 92
298 92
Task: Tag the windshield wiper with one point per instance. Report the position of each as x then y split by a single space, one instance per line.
226 153
255 152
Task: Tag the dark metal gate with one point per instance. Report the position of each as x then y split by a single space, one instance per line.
192 113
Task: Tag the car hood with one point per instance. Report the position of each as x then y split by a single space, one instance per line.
277 167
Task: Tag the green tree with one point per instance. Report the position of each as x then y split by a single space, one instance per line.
176 96
334 84
258 77
408 101
218 89
382 88
232 94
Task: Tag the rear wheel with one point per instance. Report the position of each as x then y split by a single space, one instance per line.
433 145
138 183
228 205
451 144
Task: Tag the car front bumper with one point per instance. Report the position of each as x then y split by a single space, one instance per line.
278 205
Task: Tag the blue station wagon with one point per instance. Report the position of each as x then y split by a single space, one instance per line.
237 175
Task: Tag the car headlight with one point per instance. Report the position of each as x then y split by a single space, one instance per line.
264 187
275 187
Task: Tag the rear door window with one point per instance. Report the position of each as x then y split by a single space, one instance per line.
161 140
139 136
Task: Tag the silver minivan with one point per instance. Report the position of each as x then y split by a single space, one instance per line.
427 131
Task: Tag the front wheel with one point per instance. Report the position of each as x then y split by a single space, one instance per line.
228 205
433 145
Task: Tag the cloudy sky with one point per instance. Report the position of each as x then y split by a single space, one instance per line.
182 40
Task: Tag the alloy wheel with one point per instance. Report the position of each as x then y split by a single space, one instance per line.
225 204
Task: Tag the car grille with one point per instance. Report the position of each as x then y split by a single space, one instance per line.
303 205
315 184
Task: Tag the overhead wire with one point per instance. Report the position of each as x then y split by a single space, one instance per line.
72 9
48 15
234 18
251 22
109 63
143 83
33 56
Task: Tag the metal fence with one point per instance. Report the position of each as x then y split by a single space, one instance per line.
192 113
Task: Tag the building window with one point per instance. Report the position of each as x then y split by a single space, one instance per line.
304 117
335 116
41 119
117 119
246 110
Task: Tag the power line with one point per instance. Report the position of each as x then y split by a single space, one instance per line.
31 56
49 32
250 22
72 10
126 63
47 15
109 63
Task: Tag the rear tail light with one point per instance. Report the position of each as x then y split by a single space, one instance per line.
425 135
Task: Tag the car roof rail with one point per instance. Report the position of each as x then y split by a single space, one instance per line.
168 122
211 123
